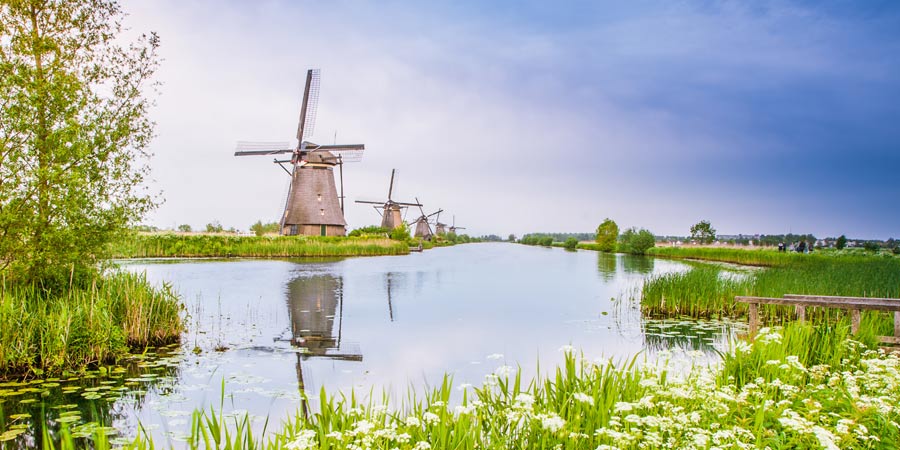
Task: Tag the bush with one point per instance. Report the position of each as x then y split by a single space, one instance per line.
547 241
607 234
401 233
571 243
871 246
636 241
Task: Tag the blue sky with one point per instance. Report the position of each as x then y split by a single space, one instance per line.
762 117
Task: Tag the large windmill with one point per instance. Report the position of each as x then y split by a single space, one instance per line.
439 227
312 206
423 227
390 214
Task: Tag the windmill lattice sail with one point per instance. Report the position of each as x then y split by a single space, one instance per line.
312 206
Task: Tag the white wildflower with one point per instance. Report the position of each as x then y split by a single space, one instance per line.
305 439
413 422
431 418
584 398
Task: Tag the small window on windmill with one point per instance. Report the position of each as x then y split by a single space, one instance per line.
321 212
319 197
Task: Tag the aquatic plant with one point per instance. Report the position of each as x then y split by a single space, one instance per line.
47 332
225 246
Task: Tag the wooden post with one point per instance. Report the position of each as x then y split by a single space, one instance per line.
754 319
854 321
897 324
801 313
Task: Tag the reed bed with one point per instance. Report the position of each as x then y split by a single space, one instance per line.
794 387
169 245
708 291
46 332
747 257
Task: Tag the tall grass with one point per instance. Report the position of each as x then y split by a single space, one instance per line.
224 246
799 387
707 291
754 257
48 332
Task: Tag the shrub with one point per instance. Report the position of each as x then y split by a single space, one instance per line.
571 243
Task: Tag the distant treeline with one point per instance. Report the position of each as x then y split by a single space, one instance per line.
560 237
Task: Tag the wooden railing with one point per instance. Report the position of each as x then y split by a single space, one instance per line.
801 302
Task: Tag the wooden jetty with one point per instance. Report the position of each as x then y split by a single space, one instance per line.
801 302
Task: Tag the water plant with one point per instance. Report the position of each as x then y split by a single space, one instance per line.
224 246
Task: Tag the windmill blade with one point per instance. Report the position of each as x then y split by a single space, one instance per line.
306 126
420 207
391 188
370 202
434 213
347 153
407 204
250 148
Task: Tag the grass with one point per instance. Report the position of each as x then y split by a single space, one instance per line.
167 245
708 291
47 332
799 386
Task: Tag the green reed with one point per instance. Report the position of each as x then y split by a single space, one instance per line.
709 291
165 245
800 386
48 332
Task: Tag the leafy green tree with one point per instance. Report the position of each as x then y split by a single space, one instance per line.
260 228
401 233
214 227
871 246
511 238
841 242
636 241
607 235
571 243
74 130
547 241
703 232
184 228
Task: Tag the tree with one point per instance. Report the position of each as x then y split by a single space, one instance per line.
841 242
74 130
184 228
571 243
607 235
260 228
214 227
871 246
636 241
546 241
703 232
511 238
401 233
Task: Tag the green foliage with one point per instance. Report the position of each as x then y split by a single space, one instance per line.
74 128
371 230
841 242
184 228
260 228
214 227
635 241
896 250
703 232
401 232
189 246
871 246
607 235
511 238
571 243
547 241
51 332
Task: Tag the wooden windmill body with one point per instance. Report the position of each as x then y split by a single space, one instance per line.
313 206
423 226
453 227
391 211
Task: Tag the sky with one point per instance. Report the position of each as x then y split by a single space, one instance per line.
761 116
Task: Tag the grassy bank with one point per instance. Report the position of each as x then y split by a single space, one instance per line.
165 245
797 387
709 291
46 332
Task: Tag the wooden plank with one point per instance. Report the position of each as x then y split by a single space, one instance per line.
889 339
876 304
839 297
801 313
854 321
754 319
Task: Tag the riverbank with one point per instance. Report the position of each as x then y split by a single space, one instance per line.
176 245
43 333
797 387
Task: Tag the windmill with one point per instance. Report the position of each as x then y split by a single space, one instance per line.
453 227
312 206
439 228
423 227
390 214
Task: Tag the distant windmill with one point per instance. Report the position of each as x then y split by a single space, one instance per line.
453 227
439 228
423 228
312 206
390 214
